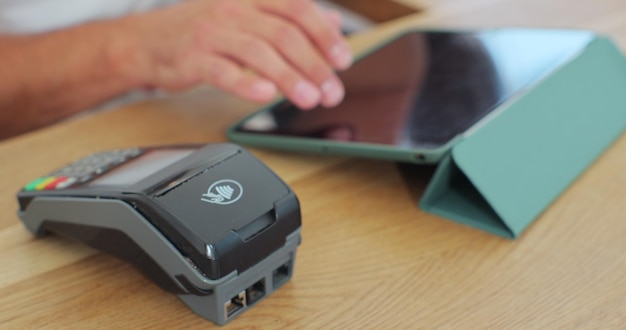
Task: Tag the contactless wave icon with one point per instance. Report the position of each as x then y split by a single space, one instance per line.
223 192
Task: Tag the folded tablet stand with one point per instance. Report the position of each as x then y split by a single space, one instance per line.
502 176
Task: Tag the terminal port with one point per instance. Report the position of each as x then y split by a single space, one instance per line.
235 304
281 274
255 292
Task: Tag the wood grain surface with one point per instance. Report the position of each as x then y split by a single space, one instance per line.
369 258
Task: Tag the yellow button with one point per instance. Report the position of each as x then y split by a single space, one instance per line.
44 183
33 184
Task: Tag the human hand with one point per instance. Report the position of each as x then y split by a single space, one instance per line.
250 48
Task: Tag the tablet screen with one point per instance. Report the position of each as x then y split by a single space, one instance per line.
425 88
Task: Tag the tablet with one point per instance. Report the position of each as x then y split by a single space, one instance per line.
416 95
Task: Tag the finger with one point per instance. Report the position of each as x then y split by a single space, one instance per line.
334 17
311 20
230 77
297 49
262 58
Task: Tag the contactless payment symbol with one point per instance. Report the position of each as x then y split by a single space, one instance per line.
223 192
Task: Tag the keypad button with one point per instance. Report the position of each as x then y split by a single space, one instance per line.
84 169
84 178
42 185
54 183
65 183
33 184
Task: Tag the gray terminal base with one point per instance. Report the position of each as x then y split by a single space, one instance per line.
216 300
235 295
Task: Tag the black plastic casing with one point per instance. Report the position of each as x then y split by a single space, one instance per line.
217 238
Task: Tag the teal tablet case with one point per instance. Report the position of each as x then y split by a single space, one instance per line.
503 175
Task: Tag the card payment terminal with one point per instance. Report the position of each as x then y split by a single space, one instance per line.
210 223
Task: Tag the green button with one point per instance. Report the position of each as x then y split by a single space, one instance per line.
33 184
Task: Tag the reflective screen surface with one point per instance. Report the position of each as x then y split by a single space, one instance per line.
142 167
425 88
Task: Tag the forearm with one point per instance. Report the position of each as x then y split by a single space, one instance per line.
47 77
250 48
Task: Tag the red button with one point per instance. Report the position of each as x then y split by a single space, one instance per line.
54 183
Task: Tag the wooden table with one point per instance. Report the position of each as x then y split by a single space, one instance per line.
369 258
